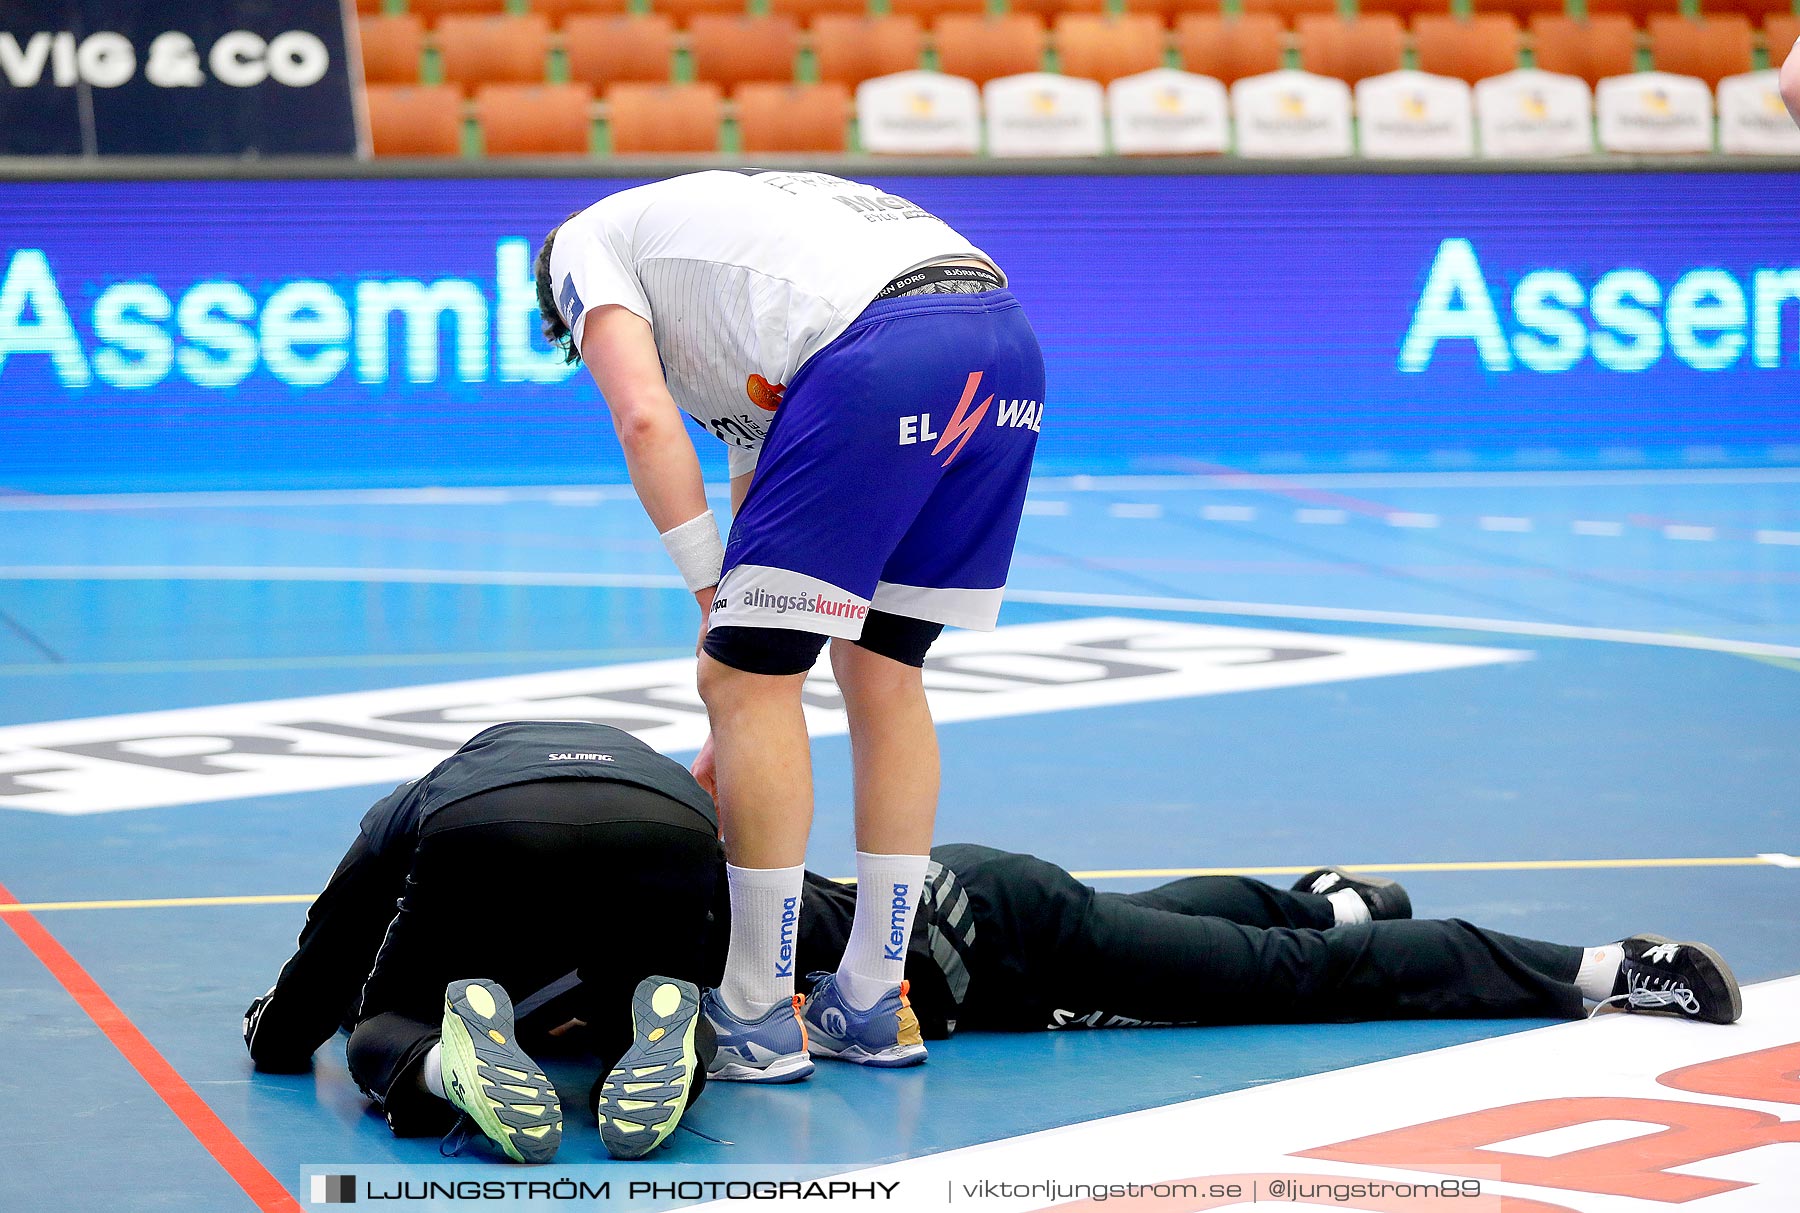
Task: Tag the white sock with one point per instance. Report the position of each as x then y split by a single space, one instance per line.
432 1071
1599 971
887 897
1348 906
765 935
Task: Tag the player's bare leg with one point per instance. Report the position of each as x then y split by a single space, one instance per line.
861 1013
763 763
893 746
764 774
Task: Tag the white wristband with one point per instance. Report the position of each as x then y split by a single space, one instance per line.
697 551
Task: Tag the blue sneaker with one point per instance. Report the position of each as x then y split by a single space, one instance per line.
770 1049
887 1034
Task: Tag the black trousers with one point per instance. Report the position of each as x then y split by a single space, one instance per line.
1050 952
521 886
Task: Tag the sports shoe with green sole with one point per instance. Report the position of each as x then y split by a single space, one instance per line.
640 1101
491 1079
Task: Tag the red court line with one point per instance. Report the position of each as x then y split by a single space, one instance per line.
169 1085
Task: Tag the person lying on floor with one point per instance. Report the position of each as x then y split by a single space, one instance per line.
572 863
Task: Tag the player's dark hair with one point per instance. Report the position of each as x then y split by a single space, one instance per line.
556 331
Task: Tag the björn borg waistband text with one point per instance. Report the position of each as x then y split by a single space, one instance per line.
942 280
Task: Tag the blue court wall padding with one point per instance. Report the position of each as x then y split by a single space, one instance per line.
165 334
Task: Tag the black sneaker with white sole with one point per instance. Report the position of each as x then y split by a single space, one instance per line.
1661 976
1385 898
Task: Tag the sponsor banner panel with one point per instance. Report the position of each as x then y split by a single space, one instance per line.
192 755
1621 1114
176 77
218 334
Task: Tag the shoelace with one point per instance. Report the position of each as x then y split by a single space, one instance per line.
457 1137
1643 998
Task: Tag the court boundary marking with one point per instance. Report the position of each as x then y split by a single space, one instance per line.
583 494
195 1114
1775 859
1141 602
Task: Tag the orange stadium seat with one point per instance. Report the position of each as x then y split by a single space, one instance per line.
931 10
1406 10
983 48
1104 48
392 48
1711 49
434 10
1171 11
1471 49
1291 11
610 50
1049 10
1230 48
1779 35
664 117
808 12
493 50
793 117
850 50
1593 49
558 12
1756 10
730 51
1524 10
1639 11
684 11
1351 50
534 119
415 120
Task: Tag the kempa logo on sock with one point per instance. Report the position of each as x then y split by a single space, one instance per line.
334 1189
790 915
896 949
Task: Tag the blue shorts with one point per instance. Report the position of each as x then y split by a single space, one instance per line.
894 473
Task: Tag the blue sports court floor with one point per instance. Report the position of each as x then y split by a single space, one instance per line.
1630 765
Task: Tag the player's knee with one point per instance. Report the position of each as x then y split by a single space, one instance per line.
898 637
771 651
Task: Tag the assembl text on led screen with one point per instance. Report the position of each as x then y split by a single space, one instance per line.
300 332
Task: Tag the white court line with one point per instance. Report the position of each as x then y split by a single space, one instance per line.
652 581
156 572
1467 623
1228 513
1788 537
1499 523
1416 521
1780 860
1682 531
560 493
1322 517
1047 509
1611 530
1134 509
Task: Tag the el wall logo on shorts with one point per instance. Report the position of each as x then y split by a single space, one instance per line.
194 755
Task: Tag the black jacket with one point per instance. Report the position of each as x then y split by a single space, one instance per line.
320 987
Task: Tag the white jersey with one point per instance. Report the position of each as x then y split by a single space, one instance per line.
743 277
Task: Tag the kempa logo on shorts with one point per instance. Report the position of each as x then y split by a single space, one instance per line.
790 916
896 946
376 739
